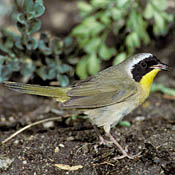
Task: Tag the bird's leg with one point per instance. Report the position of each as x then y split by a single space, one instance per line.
102 140
125 154
114 141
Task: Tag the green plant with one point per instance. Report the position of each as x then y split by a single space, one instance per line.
125 21
161 88
43 57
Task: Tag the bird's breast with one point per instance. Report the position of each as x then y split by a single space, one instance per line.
146 83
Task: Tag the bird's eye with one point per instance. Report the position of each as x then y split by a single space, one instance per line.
143 65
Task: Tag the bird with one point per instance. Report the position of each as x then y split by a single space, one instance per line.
106 97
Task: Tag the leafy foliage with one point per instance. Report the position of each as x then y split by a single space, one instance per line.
125 22
23 53
161 88
122 23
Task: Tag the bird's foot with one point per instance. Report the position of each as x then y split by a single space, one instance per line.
105 142
102 140
124 153
113 141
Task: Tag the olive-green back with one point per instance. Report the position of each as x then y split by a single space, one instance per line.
107 87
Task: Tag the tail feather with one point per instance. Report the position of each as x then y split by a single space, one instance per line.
60 94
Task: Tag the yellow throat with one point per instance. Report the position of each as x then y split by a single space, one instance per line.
146 83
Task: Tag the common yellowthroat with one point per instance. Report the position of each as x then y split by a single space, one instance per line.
107 96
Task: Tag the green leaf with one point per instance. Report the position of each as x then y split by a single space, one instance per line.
39 8
80 30
162 88
7 67
20 2
106 53
2 59
13 65
51 74
5 73
63 68
42 72
84 6
53 63
22 27
125 123
159 4
92 45
31 44
63 80
167 17
93 64
89 26
149 11
20 18
121 3
120 58
136 24
83 41
27 5
141 27
34 26
132 41
47 73
47 50
105 17
116 13
94 26
81 68
99 3
159 26
27 68
18 44
3 48
35 10
57 46
68 41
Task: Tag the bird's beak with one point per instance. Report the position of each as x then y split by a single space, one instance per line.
161 66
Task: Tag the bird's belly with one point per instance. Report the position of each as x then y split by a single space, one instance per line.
111 115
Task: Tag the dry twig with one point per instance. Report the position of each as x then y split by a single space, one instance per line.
29 126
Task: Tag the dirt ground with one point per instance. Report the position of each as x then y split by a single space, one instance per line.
72 141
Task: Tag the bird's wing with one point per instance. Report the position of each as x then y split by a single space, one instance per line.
106 88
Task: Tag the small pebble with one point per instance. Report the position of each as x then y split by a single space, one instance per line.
11 119
61 145
5 163
140 118
49 124
85 148
24 162
70 138
57 149
16 142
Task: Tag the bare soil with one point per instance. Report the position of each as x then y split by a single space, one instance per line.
73 141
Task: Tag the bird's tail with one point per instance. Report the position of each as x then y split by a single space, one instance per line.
60 94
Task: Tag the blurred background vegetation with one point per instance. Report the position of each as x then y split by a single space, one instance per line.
105 32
